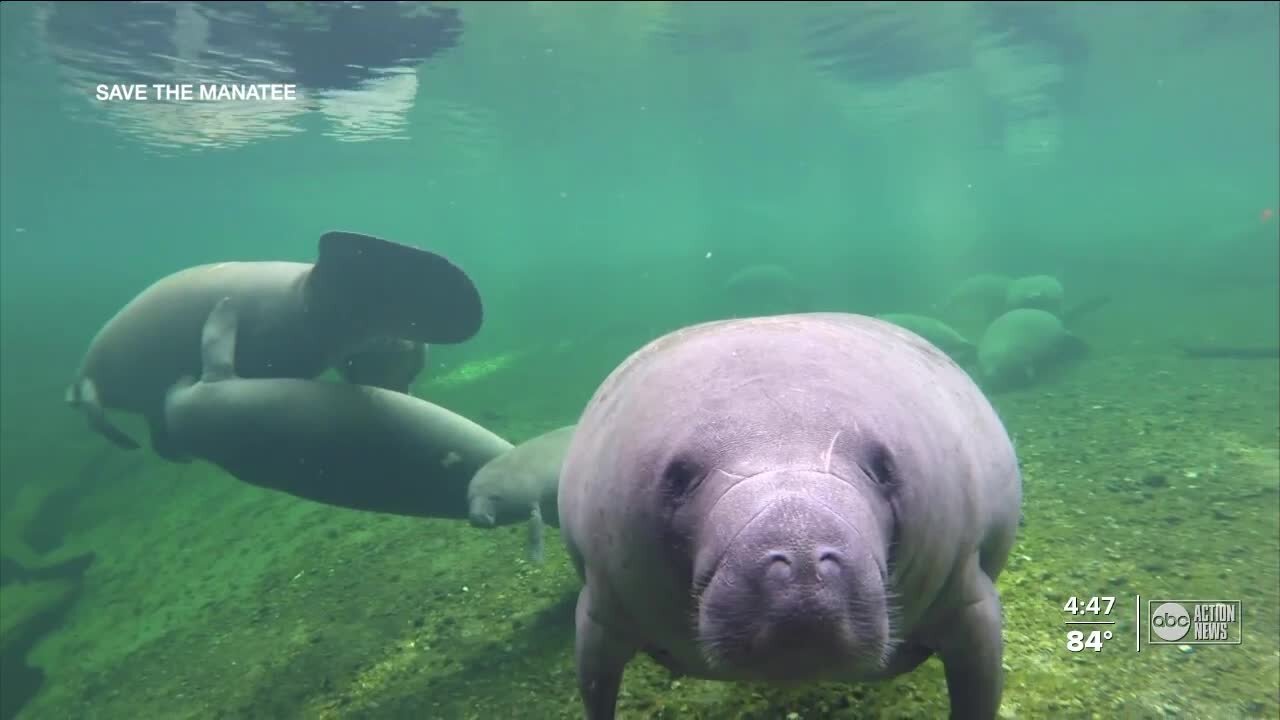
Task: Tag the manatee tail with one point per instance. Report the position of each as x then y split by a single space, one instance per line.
83 394
373 287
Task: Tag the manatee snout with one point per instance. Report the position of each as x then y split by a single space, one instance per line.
791 588
483 512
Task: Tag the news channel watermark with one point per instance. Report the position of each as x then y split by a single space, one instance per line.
1181 623
1194 622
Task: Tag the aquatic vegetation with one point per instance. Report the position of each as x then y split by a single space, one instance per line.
279 608
473 371
22 601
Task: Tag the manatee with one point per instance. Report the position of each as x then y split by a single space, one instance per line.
942 335
388 363
986 292
350 446
1021 343
296 320
790 499
1036 292
521 485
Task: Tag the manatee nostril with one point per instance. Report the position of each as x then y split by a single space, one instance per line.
778 566
830 563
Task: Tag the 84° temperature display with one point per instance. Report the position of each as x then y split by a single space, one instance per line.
1092 616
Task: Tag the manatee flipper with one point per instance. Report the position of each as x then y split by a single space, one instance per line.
385 288
600 656
84 395
218 342
906 658
536 553
971 648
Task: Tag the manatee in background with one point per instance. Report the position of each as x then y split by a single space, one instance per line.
1018 345
797 498
350 446
296 320
986 294
521 485
942 335
1036 292
763 290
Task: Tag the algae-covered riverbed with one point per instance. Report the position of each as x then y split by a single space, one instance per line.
1145 474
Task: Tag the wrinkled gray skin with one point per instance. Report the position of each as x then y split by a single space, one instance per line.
521 485
1035 292
1021 343
350 446
296 321
790 499
942 335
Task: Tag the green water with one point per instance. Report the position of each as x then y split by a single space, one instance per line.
601 171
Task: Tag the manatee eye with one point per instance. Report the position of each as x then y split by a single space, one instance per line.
881 467
680 477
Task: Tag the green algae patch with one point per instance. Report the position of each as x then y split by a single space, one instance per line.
21 602
472 371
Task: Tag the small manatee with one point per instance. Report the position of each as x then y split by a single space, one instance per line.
986 292
1038 292
941 335
1021 343
521 484
350 446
